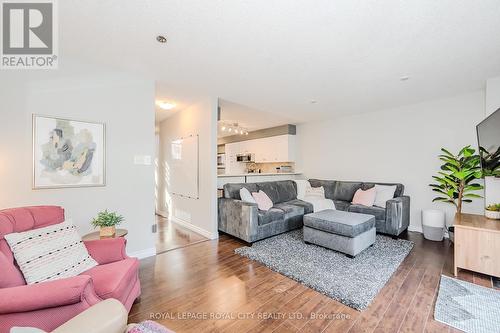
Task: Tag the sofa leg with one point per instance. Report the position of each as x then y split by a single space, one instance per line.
349 256
394 237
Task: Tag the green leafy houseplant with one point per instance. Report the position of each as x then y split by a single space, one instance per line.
107 221
455 182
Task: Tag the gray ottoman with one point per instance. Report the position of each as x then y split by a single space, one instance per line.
349 233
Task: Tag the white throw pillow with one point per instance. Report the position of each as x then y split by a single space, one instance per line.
384 193
50 253
246 196
320 204
302 186
317 192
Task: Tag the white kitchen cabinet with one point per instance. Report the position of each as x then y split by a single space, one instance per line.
273 149
232 166
279 148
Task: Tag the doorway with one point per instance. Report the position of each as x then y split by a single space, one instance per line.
169 234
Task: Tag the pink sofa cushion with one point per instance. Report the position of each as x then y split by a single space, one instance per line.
22 219
10 276
263 201
365 198
27 218
114 280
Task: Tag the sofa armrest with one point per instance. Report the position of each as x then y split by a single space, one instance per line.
238 218
105 251
397 215
47 295
108 316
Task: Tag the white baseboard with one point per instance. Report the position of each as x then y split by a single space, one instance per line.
419 229
415 228
195 228
141 254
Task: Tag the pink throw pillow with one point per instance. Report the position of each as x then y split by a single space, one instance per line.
263 201
365 198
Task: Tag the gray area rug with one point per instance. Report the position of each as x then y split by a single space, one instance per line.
353 282
468 307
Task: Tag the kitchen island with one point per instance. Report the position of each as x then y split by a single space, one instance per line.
255 177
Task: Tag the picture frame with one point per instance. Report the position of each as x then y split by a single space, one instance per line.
68 153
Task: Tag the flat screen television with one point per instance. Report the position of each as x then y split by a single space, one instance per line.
488 137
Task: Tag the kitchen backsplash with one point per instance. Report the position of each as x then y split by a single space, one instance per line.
271 167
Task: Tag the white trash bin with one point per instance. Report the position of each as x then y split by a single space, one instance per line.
433 223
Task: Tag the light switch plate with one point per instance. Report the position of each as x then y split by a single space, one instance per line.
142 159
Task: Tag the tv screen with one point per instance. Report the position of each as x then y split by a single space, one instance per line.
488 136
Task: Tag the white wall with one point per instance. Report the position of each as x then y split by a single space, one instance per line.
396 145
492 95
125 104
200 214
492 184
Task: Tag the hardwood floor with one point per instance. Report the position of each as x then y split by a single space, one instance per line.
171 235
207 288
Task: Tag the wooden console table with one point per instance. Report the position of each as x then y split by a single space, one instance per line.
477 244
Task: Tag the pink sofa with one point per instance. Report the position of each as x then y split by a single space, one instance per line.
49 304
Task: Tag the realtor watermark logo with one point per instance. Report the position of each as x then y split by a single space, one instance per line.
29 34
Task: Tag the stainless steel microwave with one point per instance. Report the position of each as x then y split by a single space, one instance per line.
246 158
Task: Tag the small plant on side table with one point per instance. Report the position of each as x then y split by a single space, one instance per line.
493 211
107 222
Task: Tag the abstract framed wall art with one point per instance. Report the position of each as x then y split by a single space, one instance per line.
68 153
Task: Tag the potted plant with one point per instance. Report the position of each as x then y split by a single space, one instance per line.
107 222
456 180
493 211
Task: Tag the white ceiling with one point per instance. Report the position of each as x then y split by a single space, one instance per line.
278 55
248 118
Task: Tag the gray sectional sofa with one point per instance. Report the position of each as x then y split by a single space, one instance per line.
245 221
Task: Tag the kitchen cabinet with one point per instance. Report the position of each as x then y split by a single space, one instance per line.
279 148
233 167
255 178
273 149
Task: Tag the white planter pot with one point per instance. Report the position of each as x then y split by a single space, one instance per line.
433 223
491 214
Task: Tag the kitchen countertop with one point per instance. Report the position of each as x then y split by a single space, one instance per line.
260 174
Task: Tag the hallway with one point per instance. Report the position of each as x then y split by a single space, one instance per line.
171 235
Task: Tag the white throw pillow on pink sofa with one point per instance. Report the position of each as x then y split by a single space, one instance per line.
50 253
